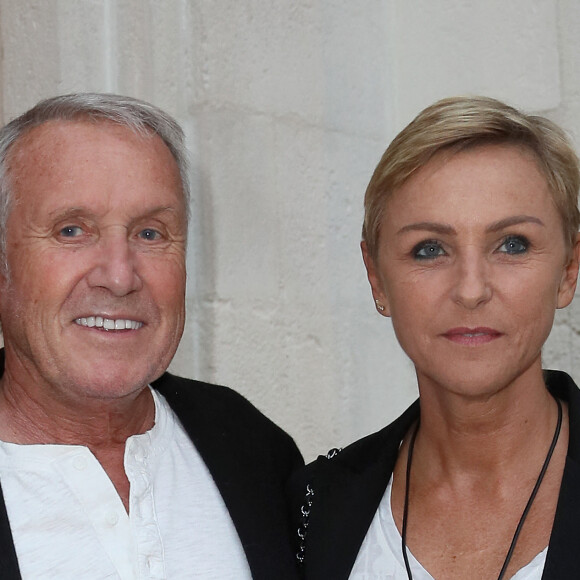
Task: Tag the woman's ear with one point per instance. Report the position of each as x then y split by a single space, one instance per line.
379 296
569 276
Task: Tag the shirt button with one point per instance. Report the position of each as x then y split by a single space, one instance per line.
112 518
155 566
80 463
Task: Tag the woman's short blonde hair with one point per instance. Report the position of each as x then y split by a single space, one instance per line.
457 123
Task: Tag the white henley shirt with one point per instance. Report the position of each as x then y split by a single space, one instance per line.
68 522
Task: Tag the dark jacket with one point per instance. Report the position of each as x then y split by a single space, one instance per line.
250 460
349 488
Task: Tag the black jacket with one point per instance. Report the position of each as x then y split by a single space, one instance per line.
349 488
250 460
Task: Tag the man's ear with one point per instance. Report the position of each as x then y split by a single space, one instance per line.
379 296
569 276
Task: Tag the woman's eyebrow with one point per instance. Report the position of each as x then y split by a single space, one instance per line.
447 229
512 221
435 227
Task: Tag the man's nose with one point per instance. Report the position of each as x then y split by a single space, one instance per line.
115 266
472 284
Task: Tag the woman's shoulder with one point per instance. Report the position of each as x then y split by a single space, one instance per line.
561 384
361 454
342 489
373 453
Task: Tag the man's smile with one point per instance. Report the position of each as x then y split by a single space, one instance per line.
109 323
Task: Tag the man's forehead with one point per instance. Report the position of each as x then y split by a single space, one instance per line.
58 148
67 163
56 134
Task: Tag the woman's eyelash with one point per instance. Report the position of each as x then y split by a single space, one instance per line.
514 245
428 250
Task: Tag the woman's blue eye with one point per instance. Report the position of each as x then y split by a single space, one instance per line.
71 231
149 234
514 245
428 250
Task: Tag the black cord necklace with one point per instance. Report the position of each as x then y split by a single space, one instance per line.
524 514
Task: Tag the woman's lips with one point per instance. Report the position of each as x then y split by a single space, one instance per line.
472 336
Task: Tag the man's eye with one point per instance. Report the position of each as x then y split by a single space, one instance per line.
71 231
514 245
149 234
428 250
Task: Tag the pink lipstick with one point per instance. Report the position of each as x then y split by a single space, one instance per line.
472 336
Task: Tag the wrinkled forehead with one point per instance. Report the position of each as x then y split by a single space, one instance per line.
94 167
88 147
54 138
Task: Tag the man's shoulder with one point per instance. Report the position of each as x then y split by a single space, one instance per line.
208 397
205 408
180 388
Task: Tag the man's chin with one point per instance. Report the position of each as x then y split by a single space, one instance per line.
112 382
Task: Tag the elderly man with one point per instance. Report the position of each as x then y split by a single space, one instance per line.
110 467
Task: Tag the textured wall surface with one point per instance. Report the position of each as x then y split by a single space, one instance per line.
288 107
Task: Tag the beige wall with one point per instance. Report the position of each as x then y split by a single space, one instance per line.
288 106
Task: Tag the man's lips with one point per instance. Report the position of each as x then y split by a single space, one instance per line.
472 336
104 323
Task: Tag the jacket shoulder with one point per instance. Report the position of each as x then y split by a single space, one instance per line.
213 411
361 454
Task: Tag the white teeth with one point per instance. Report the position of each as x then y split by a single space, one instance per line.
109 323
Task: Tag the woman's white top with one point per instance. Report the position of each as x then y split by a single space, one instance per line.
380 556
68 521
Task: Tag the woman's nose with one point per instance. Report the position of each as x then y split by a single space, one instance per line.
472 285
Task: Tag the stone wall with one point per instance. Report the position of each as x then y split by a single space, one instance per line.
287 107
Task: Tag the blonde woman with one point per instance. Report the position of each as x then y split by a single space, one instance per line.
470 241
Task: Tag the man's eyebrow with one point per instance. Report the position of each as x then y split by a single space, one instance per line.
75 212
434 227
514 221
160 209
69 213
167 213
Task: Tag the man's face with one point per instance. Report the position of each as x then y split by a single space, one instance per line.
93 301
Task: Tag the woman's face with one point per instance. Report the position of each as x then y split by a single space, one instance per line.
471 266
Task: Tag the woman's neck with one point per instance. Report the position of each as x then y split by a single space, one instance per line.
466 437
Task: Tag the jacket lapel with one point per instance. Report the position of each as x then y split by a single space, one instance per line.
233 445
340 519
562 558
8 561
347 493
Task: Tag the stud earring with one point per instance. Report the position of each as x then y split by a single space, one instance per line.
379 306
